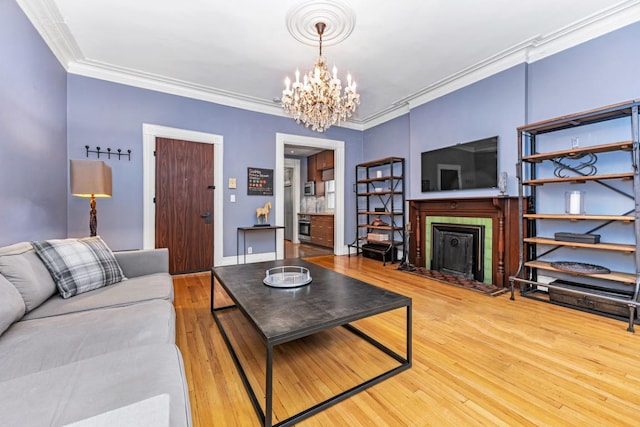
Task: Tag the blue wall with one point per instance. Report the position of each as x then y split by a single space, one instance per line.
33 149
111 115
387 139
490 107
600 72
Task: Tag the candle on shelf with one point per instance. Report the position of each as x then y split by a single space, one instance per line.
574 202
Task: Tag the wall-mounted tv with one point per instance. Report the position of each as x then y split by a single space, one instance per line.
461 167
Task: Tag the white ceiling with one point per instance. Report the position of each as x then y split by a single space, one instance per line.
401 53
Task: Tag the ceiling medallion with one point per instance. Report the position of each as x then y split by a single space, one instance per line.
338 17
318 101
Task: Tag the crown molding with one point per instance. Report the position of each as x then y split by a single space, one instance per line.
47 20
129 77
534 49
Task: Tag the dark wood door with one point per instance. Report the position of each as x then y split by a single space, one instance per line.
184 204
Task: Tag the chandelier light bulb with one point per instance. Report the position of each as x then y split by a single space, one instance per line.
318 102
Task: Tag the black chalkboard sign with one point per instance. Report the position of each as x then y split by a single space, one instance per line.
259 182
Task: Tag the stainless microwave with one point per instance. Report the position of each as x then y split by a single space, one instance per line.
310 188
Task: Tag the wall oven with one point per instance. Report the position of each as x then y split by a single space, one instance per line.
304 228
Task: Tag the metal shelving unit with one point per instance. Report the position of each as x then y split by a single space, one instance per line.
611 293
380 208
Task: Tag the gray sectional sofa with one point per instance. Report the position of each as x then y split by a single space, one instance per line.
103 357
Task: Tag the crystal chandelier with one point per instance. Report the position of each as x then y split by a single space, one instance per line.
317 101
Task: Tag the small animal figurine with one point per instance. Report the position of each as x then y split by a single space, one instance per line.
263 212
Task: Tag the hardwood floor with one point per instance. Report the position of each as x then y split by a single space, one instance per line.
304 250
477 360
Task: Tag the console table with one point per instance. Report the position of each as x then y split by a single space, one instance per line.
245 230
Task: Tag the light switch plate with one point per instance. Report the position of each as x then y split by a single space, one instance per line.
233 198
232 183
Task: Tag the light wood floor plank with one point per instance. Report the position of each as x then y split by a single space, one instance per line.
478 361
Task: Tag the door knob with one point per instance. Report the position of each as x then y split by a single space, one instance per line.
207 217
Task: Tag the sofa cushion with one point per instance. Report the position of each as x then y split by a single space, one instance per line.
131 291
79 265
141 262
34 345
20 265
11 304
151 412
83 389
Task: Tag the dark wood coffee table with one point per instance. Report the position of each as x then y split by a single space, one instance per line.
331 300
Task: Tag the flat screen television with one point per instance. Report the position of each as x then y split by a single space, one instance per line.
461 167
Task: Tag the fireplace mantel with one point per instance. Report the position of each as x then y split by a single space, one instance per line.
503 211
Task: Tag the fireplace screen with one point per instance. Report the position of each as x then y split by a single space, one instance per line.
458 249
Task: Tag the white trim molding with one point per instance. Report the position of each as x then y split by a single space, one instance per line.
149 134
295 195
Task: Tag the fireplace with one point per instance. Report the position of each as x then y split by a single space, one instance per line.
458 250
497 214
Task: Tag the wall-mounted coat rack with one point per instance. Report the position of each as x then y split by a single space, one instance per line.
109 152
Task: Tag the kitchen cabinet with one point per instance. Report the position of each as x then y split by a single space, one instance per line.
324 160
322 230
314 174
311 168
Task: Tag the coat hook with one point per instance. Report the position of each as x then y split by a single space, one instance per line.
98 151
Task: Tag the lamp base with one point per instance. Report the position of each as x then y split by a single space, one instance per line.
93 218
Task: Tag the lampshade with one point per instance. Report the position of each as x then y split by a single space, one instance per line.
90 178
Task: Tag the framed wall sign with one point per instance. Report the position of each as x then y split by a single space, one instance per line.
259 182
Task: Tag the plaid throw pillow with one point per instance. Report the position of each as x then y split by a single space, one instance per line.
79 265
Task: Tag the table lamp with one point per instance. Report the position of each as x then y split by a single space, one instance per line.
90 178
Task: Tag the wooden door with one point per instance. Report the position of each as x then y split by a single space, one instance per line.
184 204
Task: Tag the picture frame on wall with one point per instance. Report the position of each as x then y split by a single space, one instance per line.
259 182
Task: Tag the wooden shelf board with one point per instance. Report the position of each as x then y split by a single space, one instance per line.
605 246
381 162
579 179
614 276
379 213
380 227
613 111
378 179
624 218
381 242
379 193
615 146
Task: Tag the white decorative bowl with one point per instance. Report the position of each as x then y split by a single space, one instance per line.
287 276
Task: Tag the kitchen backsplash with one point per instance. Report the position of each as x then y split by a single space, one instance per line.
313 204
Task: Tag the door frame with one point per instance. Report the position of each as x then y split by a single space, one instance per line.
337 146
295 195
149 134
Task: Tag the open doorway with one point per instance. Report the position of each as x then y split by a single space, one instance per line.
319 144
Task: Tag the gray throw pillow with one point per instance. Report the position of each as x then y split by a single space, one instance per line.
20 265
79 265
12 307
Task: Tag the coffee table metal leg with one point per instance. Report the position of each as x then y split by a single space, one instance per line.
269 388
